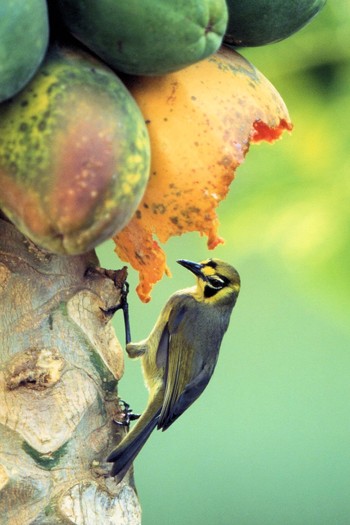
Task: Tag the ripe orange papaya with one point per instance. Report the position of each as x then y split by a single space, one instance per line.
201 121
74 154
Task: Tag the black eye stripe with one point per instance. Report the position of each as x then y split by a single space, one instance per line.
210 291
224 279
217 281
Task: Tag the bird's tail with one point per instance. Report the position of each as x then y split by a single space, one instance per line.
130 446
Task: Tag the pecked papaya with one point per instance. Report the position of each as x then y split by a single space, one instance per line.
151 37
74 154
259 22
24 34
201 121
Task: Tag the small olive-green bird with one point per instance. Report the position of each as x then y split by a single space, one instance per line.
180 354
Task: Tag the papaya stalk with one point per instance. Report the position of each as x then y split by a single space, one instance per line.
59 365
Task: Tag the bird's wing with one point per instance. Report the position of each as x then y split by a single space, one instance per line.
185 374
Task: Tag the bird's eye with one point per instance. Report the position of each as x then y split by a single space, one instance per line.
216 282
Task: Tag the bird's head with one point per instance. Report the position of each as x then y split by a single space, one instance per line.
217 281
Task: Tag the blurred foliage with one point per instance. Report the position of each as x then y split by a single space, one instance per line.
291 202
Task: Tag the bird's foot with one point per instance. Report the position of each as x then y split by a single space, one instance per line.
128 415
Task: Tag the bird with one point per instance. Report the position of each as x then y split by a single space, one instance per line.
180 354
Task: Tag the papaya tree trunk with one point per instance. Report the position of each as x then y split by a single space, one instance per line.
60 362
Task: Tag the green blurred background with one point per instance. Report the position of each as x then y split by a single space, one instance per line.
268 443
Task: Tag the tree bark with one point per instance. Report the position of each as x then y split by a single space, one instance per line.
60 362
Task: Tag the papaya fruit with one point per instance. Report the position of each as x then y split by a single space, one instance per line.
24 34
74 154
201 121
151 37
260 22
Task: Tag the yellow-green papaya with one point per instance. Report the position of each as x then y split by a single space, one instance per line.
74 154
260 22
24 33
148 37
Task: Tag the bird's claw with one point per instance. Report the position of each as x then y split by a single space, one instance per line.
128 415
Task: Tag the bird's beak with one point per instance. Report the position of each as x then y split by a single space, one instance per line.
194 267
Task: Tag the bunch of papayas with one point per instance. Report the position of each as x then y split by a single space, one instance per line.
103 103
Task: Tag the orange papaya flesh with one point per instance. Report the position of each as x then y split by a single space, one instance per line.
201 121
74 154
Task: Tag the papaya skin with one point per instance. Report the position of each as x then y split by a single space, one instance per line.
74 154
24 35
260 22
151 37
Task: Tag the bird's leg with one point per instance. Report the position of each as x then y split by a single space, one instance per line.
136 349
128 414
123 305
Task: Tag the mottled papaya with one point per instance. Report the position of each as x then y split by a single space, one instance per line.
201 121
260 22
74 154
151 37
24 33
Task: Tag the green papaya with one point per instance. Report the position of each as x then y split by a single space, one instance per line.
260 22
148 37
74 154
24 33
